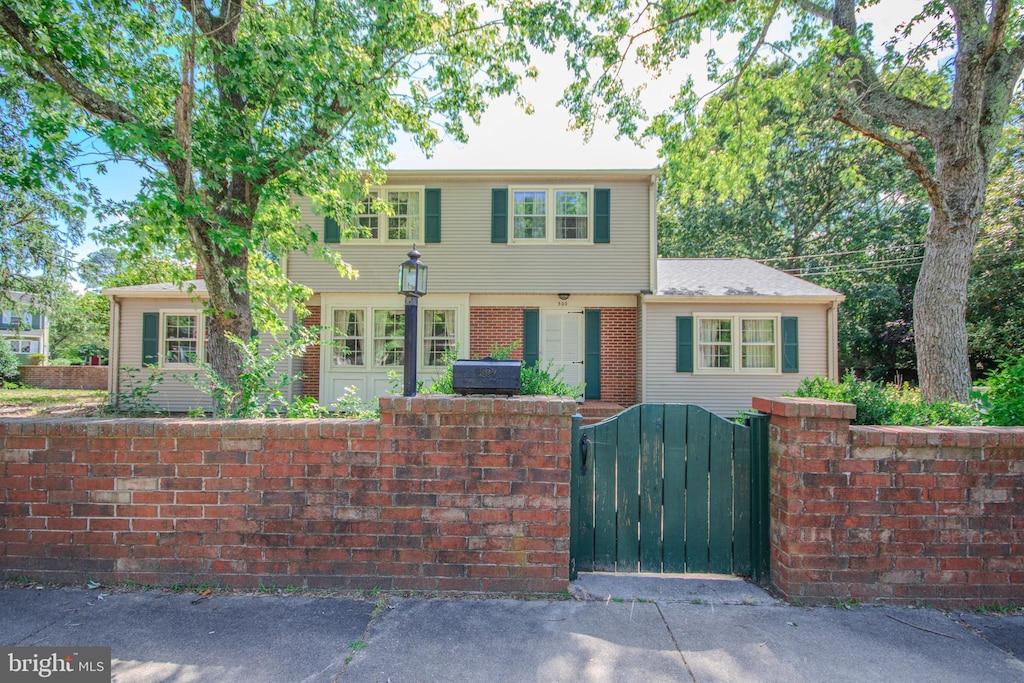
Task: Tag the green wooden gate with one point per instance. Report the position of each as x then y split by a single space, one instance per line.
670 488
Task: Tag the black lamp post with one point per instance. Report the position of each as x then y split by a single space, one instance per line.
412 282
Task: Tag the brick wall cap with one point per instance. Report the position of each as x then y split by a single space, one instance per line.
794 406
900 435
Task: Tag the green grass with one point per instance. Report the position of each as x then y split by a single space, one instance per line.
29 398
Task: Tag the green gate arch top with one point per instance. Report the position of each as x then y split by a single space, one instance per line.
670 488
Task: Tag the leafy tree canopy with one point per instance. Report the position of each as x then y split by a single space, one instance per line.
236 107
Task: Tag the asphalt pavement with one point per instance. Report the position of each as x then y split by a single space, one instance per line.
613 628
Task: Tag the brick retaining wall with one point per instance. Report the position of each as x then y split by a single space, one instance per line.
64 377
897 514
444 493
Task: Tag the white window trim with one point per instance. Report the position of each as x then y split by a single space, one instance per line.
162 339
549 207
382 217
736 345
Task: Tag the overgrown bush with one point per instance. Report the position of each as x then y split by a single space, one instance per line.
135 393
8 363
1001 394
888 404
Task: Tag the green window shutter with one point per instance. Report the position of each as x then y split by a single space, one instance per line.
592 353
602 216
332 231
790 345
499 215
432 215
684 343
150 338
531 336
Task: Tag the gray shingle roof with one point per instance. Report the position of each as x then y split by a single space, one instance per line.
731 277
161 288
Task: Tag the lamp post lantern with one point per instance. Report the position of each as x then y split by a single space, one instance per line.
412 282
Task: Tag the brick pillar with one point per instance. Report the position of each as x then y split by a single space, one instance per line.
811 492
311 359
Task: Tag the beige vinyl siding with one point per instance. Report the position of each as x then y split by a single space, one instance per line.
466 261
728 393
172 394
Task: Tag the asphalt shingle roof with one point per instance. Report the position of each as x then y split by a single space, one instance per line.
730 277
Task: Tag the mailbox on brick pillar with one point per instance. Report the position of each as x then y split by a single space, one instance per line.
487 376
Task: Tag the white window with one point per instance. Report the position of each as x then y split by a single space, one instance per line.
544 215
5 318
349 328
23 346
438 336
737 344
402 218
388 338
181 338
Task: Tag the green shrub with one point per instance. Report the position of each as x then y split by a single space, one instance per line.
1001 395
888 404
534 379
8 362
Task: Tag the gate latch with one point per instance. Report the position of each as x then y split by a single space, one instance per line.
584 447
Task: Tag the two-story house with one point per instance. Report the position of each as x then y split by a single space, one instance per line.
23 327
562 263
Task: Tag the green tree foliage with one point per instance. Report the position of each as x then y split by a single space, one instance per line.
42 198
79 325
818 201
943 126
8 363
995 310
236 107
126 267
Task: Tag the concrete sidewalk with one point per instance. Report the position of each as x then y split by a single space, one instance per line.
627 629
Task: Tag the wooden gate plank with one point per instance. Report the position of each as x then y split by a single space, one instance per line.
674 512
628 491
741 501
698 444
583 493
652 423
603 449
720 501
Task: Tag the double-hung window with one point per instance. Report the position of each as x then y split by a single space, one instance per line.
438 336
21 346
545 215
347 349
391 215
737 344
181 338
388 338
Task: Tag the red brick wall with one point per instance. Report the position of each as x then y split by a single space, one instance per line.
453 494
619 355
311 359
501 325
64 377
896 514
491 326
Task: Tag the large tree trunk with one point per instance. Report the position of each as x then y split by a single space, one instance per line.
940 299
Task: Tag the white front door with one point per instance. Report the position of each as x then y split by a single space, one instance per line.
561 343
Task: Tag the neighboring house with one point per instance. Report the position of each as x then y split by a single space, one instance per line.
562 263
23 327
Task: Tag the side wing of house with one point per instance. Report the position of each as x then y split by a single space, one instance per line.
552 261
157 332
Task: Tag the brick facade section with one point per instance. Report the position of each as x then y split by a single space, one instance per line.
64 377
495 326
619 355
492 326
466 494
895 514
311 359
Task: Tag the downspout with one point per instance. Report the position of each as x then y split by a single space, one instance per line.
832 339
652 278
114 356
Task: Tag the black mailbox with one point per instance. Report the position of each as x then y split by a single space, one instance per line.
486 376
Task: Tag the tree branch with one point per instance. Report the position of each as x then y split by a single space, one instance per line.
915 162
56 72
820 11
